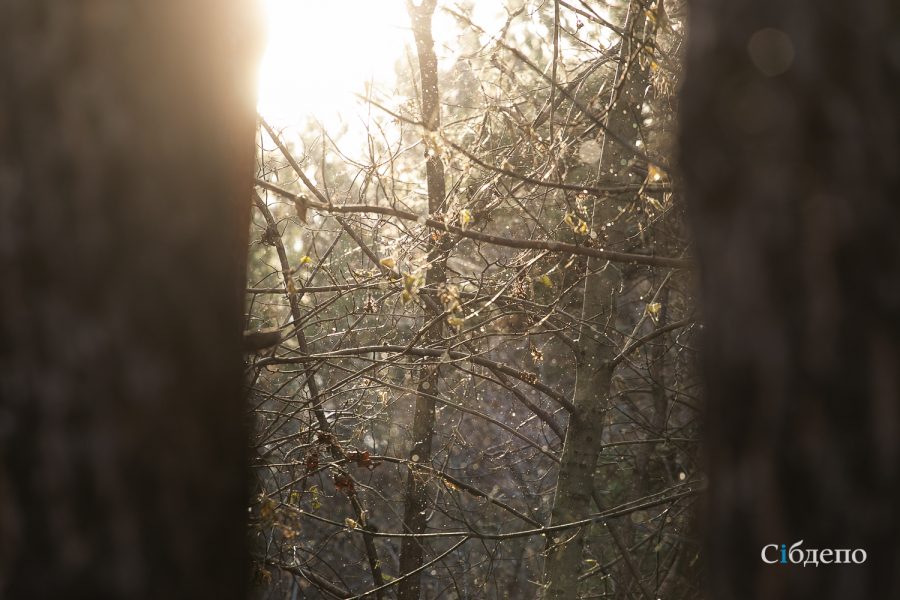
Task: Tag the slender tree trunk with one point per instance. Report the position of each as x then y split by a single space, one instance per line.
643 476
791 156
414 515
125 155
359 509
593 370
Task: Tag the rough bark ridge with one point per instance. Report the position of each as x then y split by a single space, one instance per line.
791 155
125 156
584 433
414 515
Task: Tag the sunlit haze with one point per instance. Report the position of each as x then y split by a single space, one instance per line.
320 53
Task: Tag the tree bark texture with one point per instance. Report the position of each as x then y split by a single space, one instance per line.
584 434
126 134
412 551
791 156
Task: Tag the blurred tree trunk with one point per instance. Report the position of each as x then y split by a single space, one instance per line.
791 155
584 434
125 153
414 514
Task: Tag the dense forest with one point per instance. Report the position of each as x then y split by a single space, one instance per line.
548 300
487 324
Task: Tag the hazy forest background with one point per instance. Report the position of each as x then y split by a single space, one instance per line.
491 245
449 299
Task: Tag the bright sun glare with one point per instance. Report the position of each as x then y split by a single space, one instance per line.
320 52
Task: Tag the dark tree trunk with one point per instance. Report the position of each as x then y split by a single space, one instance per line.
415 510
125 153
791 155
594 369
